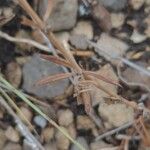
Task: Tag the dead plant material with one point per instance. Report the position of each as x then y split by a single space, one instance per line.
53 78
142 131
78 73
48 10
56 60
82 53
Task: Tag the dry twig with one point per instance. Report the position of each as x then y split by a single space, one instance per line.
21 127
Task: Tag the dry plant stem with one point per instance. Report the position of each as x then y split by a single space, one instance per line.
12 103
66 53
33 99
48 10
109 133
123 137
24 4
125 61
35 108
22 128
26 41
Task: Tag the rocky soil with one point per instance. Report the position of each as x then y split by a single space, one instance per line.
94 49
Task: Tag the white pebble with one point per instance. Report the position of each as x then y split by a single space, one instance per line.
40 121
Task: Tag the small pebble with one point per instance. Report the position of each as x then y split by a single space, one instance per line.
23 34
72 130
136 37
117 19
51 146
3 138
115 5
83 28
40 121
83 142
61 141
79 41
13 73
137 4
63 37
84 122
15 137
12 146
27 113
65 117
100 145
48 134
116 114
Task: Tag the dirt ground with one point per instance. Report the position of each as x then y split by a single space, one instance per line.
75 75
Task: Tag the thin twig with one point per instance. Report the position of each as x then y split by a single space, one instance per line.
123 137
21 127
26 41
35 108
109 133
124 60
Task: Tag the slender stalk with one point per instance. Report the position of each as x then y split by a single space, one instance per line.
21 127
35 108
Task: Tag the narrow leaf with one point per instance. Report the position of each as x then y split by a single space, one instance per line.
56 60
53 78
98 76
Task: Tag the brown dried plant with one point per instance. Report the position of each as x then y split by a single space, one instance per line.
81 78
142 131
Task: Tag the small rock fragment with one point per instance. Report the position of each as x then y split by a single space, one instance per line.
110 46
97 94
72 130
6 14
21 60
26 112
63 37
137 4
134 76
63 16
36 69
12 146
83 142
15 137
3 138
13 73
147 21
115 114
79 42
40 121
65 117
84 122
23 34
137 37
100 145
114 4
28 145
117 19
50 146
83 28
48 134
61 141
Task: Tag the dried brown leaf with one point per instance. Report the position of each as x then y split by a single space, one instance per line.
56 60
48 10
98 76
141 129
53 78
